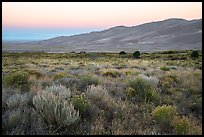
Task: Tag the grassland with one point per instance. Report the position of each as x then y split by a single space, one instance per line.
101 93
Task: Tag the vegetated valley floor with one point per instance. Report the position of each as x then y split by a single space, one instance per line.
101 93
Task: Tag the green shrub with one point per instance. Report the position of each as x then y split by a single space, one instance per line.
128 73
153 96
195 54
88 80
113 74
165 68
18 80
169 52
136 54
174 77
141 90
55 110
168 83
167 100
130 92
122 53
81 103
59 75
164 115
181 125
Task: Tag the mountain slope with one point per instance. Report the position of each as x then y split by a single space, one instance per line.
170 34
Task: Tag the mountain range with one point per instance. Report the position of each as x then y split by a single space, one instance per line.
169 34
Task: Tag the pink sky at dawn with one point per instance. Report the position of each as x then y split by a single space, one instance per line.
94 14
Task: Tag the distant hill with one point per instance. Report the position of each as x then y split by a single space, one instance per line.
169 34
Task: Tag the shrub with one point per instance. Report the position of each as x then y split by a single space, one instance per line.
195 54
195 104
130 92
4 99
59 90
181 125
167 83
152 80
128 73
164 115
100 97
59 75
81 103
152 96
136 54
174 77
17 100
121 66
169 52
93 56
140 90
23 121
82 52
113 74
72 83
34 72
18 80
165 68
55 110
15 121
45 83
88 80
122 53
96 92
115 89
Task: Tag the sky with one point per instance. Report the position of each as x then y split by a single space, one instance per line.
43 20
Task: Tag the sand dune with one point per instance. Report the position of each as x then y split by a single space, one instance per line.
170 34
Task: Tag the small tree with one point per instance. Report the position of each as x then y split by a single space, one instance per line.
136 54
194 54
122 52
